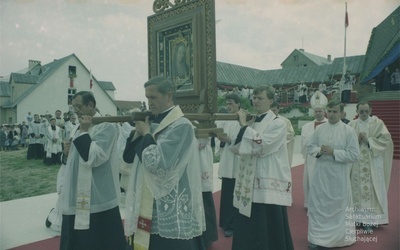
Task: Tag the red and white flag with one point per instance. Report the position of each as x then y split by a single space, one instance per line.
91 80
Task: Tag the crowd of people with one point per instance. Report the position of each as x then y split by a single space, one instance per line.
242 92
165 175
42 135
13 137
387 80
346 174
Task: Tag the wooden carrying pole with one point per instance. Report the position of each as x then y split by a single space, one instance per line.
201 131
140 116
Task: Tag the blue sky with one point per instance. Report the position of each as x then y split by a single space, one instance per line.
110 36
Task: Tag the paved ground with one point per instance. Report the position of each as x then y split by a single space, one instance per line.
22 221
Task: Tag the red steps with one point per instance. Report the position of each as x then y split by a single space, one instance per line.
389 112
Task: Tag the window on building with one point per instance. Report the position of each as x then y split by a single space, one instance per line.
72 71
71 93
295 58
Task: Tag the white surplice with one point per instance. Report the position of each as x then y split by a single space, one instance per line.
263 155
206 164
228 162
309 162
103 164
35 129
330 207
289 138
69 127
53 141
171 171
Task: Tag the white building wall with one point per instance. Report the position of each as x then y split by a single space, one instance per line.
18 89
111 94
51 94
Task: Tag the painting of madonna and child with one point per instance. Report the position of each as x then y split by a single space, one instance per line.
180 67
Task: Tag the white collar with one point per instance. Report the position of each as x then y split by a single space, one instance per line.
168 109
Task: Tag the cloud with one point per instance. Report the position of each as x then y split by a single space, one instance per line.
234 2
110 36
130 1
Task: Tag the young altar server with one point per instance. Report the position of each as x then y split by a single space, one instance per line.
228 166
263 187
330 207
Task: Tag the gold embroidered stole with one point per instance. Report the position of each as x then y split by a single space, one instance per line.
142 236
364 174
243 192
83 194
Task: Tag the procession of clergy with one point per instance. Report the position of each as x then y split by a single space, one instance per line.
345 189
167 176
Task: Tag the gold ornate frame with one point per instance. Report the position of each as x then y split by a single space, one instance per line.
190 25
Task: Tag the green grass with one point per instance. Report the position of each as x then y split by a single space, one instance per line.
21 178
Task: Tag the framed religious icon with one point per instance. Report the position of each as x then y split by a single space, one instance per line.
181 46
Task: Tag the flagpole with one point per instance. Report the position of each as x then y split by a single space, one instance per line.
346 24
90 80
